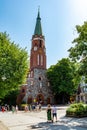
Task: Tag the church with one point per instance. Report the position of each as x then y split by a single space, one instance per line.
37 87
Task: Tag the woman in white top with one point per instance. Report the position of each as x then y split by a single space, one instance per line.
54 113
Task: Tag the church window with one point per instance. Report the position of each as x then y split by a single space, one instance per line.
41 59
40 45
39 78
38 58
40 85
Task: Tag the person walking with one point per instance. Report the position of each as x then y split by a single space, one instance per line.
16 108
54 113
49 114
13 109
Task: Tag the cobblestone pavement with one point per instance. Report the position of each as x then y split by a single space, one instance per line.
38 121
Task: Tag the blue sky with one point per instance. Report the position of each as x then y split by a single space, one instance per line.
58 18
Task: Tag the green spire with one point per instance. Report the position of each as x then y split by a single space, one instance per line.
38 28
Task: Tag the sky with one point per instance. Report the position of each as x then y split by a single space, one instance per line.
58 19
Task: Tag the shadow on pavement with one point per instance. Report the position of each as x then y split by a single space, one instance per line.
64 123
55 126
79 121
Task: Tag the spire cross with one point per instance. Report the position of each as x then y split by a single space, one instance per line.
39 8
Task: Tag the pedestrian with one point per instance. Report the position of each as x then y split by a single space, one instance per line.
39 107
49 114
26 108
3 109
13 109
16 108
29 107
54 113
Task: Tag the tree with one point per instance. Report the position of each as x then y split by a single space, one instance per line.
78 52
61 78
13 65
10 98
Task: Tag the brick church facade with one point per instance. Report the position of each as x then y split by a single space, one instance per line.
37 87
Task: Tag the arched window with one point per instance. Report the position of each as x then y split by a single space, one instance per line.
38 59
41 59
40 45
39 78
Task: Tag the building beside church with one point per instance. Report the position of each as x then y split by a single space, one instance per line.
37 87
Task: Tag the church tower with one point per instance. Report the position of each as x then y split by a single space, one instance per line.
38 50
38 87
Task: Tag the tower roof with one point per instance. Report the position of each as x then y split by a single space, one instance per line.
38 28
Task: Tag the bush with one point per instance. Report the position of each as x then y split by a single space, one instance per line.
70 111
77 110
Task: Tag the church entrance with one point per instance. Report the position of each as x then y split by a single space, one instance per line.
48 100
29 100
40 98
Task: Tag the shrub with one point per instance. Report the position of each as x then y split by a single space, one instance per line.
77 110
70 111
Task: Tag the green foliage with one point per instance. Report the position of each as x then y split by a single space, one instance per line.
70 111
79 51
77 110
61 76
10 98
13 65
